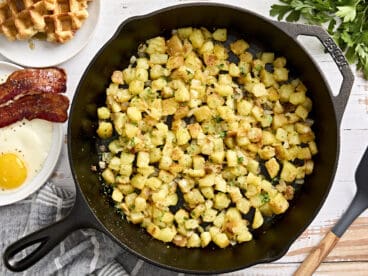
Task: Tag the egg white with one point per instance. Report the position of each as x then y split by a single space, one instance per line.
31 141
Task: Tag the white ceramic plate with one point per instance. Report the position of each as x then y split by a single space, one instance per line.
11 196
45 54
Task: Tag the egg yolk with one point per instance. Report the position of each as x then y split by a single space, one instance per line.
13 171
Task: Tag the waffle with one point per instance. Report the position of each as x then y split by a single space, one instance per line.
57 20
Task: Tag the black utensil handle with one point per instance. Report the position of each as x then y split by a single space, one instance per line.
48 238
356 207
337 55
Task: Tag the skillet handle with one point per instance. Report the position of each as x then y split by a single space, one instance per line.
47 238
337 55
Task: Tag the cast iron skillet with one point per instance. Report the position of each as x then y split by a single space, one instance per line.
92 211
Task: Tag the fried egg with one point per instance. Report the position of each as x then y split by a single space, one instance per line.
24 147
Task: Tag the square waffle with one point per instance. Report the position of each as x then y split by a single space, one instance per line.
57 19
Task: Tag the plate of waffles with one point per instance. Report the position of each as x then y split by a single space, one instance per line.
43 33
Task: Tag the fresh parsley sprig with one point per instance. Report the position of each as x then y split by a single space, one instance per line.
347 23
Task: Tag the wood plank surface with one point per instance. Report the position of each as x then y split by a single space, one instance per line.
350 256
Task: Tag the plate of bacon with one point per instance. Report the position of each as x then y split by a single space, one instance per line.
32 110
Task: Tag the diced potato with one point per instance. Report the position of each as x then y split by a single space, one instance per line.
259 90
205 238
257 220
158 58
231 158
279 62
288 172
203 114
279 204
281 74
182 94
239 47
220 35
221 201
156 45
297 98
302 112
108 176
103 113
272 167
104 130
313 147
154 183
221 240
117 195
207 181
267 57
197 38
182 136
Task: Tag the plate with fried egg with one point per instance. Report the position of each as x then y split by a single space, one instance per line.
29 151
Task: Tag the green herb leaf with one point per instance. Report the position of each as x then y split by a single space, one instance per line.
347 22
223 134
265 198
240 159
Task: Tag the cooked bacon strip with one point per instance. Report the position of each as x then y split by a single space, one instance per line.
50 107
31 81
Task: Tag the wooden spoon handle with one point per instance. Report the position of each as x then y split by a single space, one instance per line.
317 255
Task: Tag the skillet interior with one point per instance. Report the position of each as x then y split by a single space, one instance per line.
275 241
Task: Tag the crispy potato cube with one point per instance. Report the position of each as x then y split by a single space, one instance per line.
272 167
243 205
239 47
288 172
231 158
108 176
302 112
158 58
221 201
297 98
259 90
104 130
143 159
279 62
182 136
313 147
285 92
103 113
156 45
197 38
154 183
174 46
207 181
220 35
221 240
136 86
309 166
182 94
134 114
266 152
203 113
279 204
244 107
267 57
117 195
194 241
281 74
205 238
257 220
304 153
138 181
185 32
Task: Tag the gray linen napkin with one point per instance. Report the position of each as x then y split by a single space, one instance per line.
84 252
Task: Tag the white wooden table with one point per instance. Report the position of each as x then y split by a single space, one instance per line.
351 253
